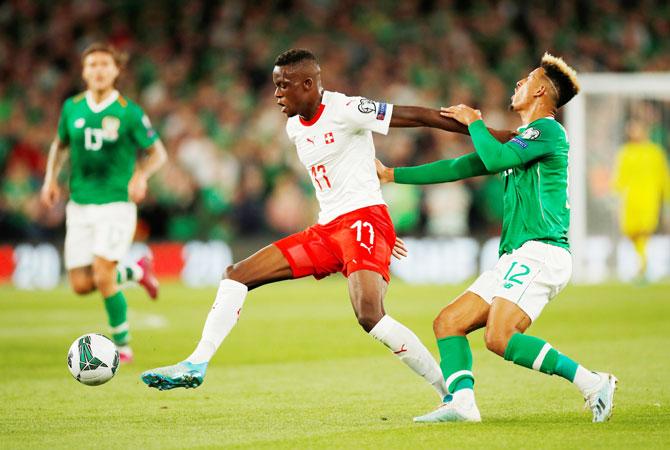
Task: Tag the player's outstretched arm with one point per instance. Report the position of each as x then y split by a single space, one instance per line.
495 155
418 116
147 166
58 153
442 171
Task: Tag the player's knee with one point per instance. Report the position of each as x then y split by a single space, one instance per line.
496 341
446 324
82 286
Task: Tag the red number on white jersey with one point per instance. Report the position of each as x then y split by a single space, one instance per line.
319 173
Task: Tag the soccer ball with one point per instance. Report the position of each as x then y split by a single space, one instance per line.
92 359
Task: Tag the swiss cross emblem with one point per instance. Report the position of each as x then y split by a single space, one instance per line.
329 138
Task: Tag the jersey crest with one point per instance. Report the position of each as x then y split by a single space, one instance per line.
531 134
110 128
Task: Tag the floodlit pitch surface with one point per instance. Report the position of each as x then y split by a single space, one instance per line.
298 372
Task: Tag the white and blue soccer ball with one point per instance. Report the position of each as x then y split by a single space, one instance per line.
93 359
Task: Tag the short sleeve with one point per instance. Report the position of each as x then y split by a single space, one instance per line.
63 133
142 131
536 141
364 114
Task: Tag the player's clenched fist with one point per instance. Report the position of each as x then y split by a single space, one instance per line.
50 194
137 187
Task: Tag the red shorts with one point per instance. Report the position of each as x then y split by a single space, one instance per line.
359 240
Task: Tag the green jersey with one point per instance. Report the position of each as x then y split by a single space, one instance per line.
103 140
534 167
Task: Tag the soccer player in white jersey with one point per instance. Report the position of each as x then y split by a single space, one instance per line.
354 234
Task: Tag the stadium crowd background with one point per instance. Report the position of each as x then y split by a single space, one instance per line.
202 72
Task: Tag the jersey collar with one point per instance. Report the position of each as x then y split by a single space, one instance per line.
99 107
540 118
313 120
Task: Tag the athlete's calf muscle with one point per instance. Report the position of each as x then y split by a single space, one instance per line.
504 320
367 290
81 280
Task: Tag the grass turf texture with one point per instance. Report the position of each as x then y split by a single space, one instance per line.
298 372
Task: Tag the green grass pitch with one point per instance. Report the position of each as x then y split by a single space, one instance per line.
298 372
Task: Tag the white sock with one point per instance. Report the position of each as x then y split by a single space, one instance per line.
464 396
406 346
585 380
221 319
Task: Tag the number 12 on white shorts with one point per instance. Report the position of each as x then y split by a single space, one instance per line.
530 277
519 280
516 277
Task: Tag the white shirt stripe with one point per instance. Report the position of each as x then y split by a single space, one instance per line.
120 328
540 358
455 375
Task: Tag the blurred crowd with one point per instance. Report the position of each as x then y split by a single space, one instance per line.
202 72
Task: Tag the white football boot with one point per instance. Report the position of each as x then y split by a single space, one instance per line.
600 399
462 408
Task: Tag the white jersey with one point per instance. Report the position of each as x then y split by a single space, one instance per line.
337 150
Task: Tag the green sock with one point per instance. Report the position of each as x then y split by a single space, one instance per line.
117 309
535 353
456 362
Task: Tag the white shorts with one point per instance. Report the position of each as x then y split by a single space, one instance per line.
530 276
105 230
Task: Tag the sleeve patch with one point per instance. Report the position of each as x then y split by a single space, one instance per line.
367 106
147 125
519 142
381 113
531 134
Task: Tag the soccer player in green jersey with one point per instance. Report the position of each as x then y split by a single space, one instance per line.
102 132
535 262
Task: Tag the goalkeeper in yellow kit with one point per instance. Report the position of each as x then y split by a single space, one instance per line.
643 181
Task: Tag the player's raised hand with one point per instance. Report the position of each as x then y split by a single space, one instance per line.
137 187
462 113
385 174
50 194
399 249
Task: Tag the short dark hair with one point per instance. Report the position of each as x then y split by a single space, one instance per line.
120 58
562 76
294 56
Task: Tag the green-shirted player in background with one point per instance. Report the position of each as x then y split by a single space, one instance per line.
103 132
535 263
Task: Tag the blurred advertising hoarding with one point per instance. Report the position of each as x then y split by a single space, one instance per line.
430 261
